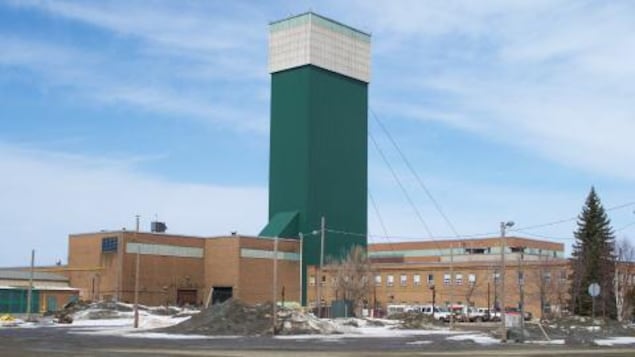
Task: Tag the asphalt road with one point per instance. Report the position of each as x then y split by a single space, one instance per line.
59 341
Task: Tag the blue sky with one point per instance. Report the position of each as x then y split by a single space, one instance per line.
507 110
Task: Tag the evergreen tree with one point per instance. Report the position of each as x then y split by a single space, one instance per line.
593 260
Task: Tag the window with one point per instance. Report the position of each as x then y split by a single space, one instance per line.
403 280
517 249
459 279
390 280
474 250
430 279
563 275
521 278
547 277
377 280
497 277
446 279
471 278
323 280
312 280
109 244
416 279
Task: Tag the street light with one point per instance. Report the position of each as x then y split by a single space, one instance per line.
434 297
503 227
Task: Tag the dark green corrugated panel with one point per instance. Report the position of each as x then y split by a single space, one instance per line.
283 224
14 301
318 157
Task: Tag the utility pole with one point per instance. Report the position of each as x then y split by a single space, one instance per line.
319 297
137 222
301 268
489 306
451 287
275 284
29 295
136 288
495 278
503 226
521 292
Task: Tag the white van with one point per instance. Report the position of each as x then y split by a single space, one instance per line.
440 313
392 309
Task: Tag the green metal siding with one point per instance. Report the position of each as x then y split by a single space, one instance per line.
318 158
14 301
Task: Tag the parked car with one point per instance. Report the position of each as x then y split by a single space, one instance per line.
440 313
464 313
476 314
514 310
485 312
459 313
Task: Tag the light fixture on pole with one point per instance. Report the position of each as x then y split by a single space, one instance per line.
503 228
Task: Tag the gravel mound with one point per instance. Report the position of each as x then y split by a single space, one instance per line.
234 317
574 330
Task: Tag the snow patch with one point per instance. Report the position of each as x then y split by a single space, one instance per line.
545 342
370 332
477 338
615 341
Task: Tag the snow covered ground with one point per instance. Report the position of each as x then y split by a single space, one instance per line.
612 341
120 323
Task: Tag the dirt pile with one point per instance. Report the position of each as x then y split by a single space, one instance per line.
574 330
417 320
297 322
81 310
234 317
582 330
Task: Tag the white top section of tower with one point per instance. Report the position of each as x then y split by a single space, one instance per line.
313 39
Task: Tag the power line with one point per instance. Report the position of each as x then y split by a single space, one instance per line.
381 221
416 175
549 237
570 219
401 186
624 227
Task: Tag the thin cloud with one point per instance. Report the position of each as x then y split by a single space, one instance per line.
554 78
69 69
56 194
188 26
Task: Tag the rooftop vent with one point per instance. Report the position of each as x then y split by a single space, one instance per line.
158 227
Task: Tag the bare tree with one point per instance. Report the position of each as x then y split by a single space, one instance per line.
543 280
623 282
472 286
353 277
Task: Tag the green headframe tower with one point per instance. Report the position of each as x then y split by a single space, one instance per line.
320 70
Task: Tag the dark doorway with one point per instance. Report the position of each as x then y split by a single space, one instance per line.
221 294
186 296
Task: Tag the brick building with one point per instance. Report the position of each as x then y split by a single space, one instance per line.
462 272
178 269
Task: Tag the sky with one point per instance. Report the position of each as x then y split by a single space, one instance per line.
506 110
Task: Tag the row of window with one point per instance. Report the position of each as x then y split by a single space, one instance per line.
447 279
